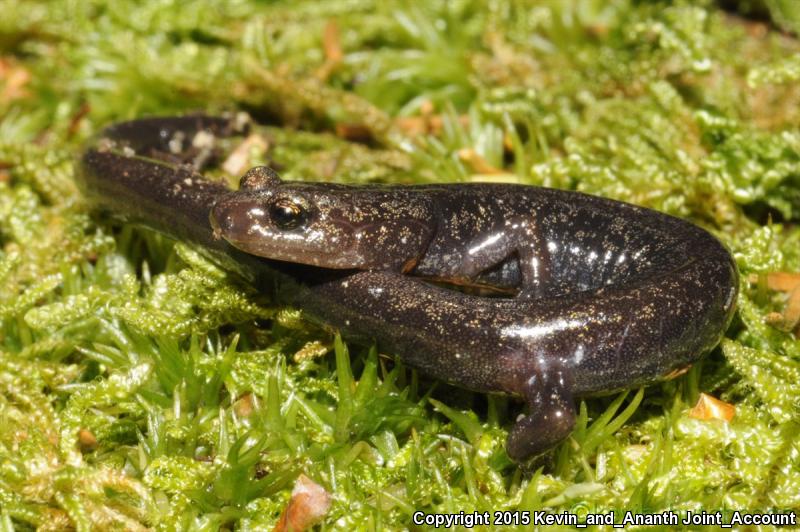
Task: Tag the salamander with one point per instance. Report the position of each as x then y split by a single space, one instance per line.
599 295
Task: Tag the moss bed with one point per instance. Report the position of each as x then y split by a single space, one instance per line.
143 387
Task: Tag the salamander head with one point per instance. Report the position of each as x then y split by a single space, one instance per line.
326 225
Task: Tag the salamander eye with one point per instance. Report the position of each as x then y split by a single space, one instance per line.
288 213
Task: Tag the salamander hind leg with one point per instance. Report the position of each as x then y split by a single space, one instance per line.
551 418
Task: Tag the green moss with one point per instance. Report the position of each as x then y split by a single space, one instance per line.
143 386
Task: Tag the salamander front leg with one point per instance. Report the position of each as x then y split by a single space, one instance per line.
551 418
519 238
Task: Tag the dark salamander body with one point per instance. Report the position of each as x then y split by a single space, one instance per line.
601 295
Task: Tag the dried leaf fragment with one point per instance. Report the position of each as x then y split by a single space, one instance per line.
245 405
332 43
478 163
791 314
354 132
332 46
87 440
427 124
779 281
308 505
788 282
709 407
239 161
13 79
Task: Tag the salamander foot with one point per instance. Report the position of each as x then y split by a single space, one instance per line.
551 418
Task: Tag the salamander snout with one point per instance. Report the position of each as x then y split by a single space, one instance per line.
229 220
